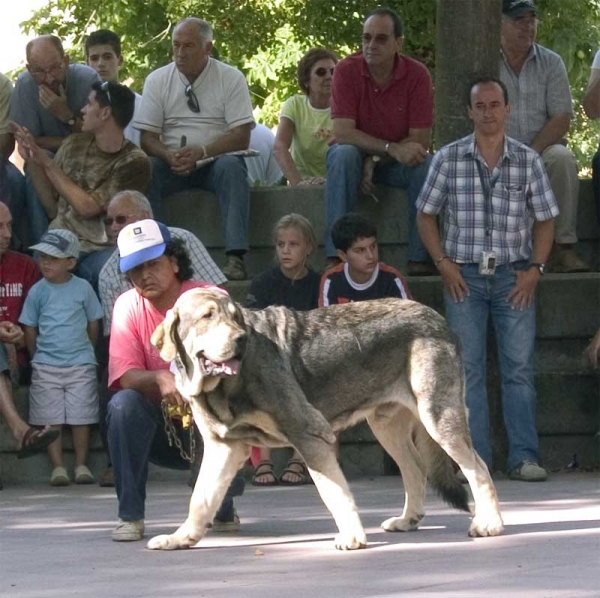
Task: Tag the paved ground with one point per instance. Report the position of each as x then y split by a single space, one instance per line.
55 543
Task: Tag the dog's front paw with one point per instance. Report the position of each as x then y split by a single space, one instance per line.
174 541
402 524
352 541
491 526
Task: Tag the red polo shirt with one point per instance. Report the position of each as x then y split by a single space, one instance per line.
383 112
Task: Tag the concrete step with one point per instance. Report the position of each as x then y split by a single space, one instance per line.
198 211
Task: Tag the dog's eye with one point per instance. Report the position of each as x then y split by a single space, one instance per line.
208 314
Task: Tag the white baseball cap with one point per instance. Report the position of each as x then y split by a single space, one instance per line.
141 242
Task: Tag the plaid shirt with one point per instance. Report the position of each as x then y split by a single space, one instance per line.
111 283
538 93
520 194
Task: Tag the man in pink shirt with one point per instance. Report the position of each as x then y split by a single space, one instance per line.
160 270
382 110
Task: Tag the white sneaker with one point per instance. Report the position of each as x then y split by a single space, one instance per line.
128 531
59 477
83 475
528 471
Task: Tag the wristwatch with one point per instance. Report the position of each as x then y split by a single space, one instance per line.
540 267
71 121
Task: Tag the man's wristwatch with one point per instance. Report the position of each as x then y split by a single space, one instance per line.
540 267
71 121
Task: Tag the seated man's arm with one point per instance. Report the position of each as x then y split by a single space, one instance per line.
153 383
553 132
591 101
411 151
50 181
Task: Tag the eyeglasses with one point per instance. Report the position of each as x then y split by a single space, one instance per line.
192 100
54 71
104 87
322 71
118 219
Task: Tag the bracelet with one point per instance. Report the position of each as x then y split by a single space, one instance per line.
204 152
439 260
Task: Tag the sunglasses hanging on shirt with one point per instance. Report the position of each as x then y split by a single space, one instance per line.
192 100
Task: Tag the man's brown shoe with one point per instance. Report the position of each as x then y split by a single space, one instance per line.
565 260
234 269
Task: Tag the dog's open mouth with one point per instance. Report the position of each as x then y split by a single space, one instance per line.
229 367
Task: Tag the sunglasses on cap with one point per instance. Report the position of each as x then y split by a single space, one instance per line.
118 219
192 100
322 71
104 87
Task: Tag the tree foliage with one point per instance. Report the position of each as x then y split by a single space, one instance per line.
266 38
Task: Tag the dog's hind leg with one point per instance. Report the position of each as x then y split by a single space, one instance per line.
332 486
220 463
394 427
438 385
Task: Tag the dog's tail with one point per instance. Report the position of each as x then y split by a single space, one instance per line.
441 473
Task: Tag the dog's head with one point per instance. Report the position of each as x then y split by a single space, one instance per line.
204 336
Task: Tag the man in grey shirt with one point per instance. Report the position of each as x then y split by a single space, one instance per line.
540 116
47 101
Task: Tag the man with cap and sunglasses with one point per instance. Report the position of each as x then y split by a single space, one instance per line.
540 116
196 108
88 170
159 269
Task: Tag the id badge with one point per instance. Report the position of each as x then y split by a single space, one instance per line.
487 263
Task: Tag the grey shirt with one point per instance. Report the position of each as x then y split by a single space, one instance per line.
538 93
26 110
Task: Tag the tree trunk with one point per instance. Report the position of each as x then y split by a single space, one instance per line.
468 46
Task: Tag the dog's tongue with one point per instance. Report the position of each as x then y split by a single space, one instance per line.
227 368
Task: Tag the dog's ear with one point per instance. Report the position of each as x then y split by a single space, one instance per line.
163 337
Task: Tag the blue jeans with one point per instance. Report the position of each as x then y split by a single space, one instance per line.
344 173
136 437
36 213
226 177
515 338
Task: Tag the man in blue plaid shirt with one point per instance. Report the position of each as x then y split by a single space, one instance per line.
498 232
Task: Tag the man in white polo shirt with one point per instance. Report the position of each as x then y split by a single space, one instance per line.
195 108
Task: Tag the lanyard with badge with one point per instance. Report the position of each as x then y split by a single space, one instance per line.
487 260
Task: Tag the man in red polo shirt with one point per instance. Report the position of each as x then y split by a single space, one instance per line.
382 110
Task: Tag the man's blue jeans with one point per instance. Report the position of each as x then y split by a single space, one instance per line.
136 437
226 177
344 173
36 213
515 338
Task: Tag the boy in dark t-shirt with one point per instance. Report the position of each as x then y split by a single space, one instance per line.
360 276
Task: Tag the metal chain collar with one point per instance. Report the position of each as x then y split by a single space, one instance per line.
173 436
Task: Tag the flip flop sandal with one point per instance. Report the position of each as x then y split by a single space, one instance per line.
264 468
297 467
36 441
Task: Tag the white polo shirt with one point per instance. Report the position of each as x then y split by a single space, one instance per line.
222 94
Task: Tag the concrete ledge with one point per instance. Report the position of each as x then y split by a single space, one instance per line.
198 211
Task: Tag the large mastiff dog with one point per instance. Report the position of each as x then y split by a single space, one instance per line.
277 377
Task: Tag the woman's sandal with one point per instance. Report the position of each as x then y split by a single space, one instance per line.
297 467
264 468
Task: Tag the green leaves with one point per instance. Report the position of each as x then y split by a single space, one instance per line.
266 38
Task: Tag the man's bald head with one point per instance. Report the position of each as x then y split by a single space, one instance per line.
5 228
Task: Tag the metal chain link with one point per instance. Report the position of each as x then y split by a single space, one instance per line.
173 437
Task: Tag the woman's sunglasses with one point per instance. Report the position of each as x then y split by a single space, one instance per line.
322 71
